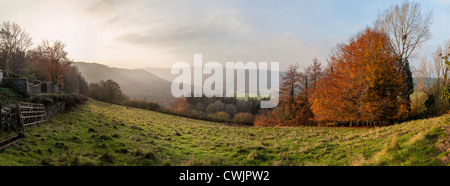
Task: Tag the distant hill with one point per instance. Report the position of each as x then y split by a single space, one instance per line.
137 84
165 73
150 84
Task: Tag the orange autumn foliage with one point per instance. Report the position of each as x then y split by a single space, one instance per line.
293 108
180 106
362 82
51 61
267 118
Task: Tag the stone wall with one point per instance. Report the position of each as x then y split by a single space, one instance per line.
46 87
55 108
10 120
34 89
19 84
55 88
24 87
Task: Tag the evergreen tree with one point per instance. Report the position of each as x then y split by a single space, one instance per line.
409 83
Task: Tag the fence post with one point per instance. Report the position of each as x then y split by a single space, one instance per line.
1 125
21 119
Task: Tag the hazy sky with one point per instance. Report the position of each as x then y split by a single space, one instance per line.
142 33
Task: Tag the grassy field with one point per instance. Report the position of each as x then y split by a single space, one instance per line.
103 134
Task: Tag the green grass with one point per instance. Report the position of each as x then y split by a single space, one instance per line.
98 133
8 96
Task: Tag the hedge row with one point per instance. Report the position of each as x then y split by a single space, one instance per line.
70 99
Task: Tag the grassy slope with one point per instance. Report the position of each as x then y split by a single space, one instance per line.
8 96
102 134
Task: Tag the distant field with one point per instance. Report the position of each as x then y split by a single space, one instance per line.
102 134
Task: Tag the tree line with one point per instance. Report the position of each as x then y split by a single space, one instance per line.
220 109
367 81
47 61
432 90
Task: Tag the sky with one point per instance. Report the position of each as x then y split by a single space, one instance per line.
158 33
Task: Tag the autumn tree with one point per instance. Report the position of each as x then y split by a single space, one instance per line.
51 61
311 78
293 108
408 29
362 82
267 118
290 84
14 42
314 72
180 106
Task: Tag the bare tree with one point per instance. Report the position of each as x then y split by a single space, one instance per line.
424 76
438 66
440 69
14 42
407 27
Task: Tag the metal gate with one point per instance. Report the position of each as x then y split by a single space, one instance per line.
31 114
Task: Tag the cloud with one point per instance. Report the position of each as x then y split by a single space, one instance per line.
142 33
173 34
182 25
219 30
101 7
